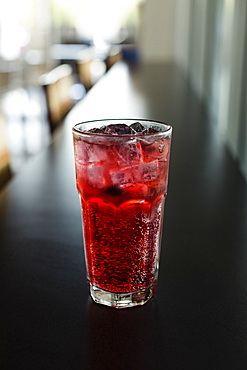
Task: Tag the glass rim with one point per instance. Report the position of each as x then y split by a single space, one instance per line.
159 133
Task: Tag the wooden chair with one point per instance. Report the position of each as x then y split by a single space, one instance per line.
57 85
5 168
114 56
84 72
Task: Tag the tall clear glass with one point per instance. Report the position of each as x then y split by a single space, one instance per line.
121 177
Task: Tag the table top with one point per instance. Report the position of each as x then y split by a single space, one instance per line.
198 319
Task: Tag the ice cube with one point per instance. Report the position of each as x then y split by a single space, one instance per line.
96 130
129 153
94 153
95 176
81 172
102 153
146 171
137 127
163 170
122 177
150 130
127 176
81 153
157 150
119 129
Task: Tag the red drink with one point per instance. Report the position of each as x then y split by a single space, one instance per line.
122 182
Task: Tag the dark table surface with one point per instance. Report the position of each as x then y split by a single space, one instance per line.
198 319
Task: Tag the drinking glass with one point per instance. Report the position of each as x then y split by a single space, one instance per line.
121 177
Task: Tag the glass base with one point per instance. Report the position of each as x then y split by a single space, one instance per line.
122 300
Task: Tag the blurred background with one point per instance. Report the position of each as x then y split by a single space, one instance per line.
74 43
